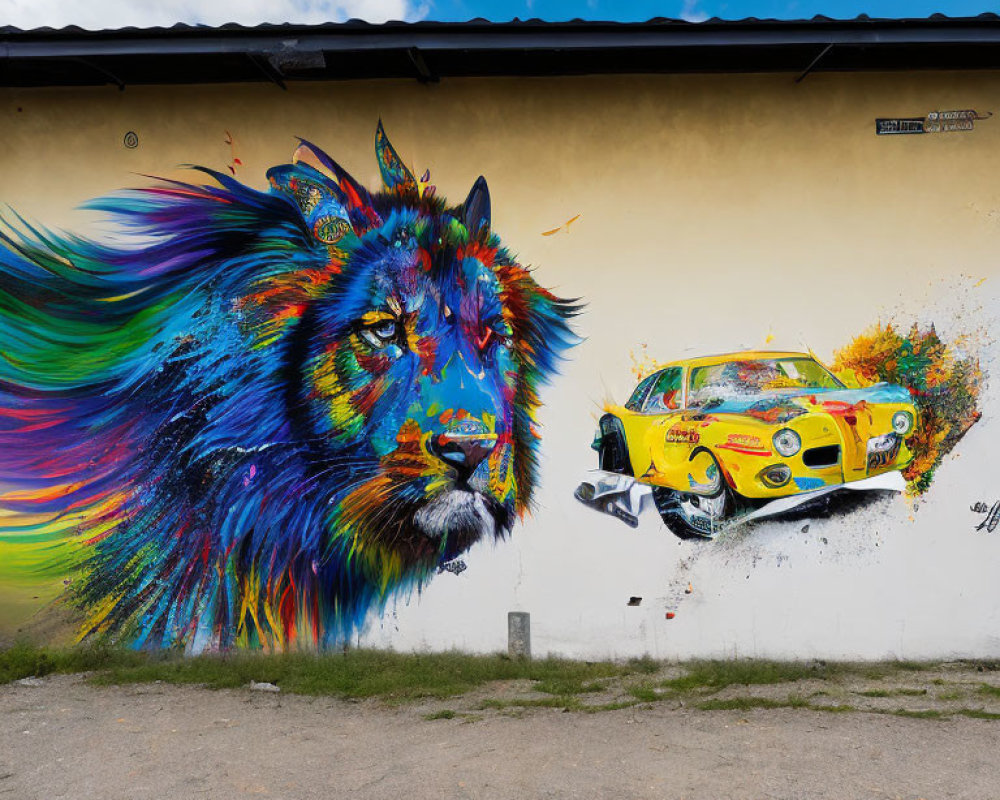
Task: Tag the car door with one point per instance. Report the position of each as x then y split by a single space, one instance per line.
661 409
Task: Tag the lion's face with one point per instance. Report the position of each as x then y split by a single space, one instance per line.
411 366
414 366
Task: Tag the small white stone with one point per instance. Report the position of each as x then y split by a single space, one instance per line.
263 687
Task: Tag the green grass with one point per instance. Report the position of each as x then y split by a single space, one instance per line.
365 673
352 674
928 713
356 673
716 675
401 677
747 703
568 703
564 686
843 708
446 713
875 672
644 666
24 660
647 694
977 713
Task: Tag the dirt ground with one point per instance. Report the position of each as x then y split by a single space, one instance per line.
60 737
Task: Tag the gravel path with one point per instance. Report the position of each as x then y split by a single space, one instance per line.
64 738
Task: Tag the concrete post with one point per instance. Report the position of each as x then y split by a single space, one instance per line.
519 634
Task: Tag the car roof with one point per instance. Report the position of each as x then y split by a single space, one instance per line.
722 358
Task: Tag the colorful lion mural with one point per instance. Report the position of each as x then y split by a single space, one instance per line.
277 410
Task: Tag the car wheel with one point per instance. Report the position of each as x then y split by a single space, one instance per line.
612 456
697 516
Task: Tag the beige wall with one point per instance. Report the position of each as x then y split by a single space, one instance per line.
720 181
715 211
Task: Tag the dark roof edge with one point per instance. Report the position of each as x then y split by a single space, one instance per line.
533 35
428 51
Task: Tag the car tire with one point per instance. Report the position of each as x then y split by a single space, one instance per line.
612 455
675 509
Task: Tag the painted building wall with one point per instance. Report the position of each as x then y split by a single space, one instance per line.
692 215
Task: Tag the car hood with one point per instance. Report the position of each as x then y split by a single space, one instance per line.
779 406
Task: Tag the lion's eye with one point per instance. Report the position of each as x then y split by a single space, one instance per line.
385 330
381 333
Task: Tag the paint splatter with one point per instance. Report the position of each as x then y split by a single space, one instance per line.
944 381
564 226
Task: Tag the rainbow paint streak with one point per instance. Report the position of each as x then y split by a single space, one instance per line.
277 411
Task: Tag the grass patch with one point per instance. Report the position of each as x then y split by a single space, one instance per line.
989 691
953 695
644 665
445 713
928 713
647 694
564 686
615 706
716 675
568 703
360 673
747 703
352 674
977 713
843 708
24 660
893 693
877 672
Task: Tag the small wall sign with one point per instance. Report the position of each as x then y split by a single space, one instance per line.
934 122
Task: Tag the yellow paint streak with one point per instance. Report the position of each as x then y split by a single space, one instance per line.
120 297
374 317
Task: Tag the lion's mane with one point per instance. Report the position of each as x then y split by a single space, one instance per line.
155 431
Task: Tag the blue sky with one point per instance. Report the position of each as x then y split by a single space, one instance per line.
95 14
699 9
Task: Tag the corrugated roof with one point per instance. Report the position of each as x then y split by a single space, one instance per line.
285 27
431 50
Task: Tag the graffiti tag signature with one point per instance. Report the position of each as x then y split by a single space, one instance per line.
989 524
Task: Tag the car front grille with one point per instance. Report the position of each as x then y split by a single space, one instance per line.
821 456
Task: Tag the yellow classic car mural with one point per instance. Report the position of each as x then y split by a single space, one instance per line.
717 439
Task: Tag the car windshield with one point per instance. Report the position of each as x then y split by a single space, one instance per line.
716 383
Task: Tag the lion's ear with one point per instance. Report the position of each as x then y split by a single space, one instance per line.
476 212
331 201
395 175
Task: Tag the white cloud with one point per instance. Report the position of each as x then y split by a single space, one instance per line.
100 14
691 13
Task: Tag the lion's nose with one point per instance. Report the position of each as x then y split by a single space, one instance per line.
463 451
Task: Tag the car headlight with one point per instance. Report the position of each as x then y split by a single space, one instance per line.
787 442
902 422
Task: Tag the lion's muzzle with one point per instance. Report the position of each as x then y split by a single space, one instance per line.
462 516
462 451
